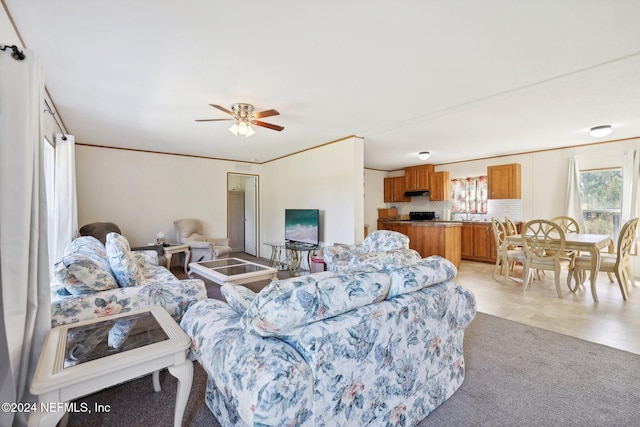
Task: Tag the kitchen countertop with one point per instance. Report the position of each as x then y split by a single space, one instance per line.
429 223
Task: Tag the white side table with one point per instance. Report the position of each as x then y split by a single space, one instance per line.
176 249
80 359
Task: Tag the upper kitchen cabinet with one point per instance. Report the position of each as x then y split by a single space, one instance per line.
394 190
417 177
504 181
439 186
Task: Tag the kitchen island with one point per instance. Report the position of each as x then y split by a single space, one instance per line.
430 237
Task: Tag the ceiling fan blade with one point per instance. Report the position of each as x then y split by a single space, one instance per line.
266 125
212 120
222 109
266 113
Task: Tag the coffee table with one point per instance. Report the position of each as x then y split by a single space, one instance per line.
85 357
236 270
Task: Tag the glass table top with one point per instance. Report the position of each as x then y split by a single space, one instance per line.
232 266
91 342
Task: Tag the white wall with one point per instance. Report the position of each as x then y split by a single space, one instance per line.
143 193
373 196
329 178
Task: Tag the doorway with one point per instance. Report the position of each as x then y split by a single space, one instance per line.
242 212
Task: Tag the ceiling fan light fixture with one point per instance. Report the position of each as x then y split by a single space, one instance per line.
600 131
424 155
243 128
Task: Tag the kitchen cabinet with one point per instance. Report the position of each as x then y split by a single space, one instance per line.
439 186
504 181
417 177
394 190
429 237
477 242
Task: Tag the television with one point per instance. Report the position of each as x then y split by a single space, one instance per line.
302 226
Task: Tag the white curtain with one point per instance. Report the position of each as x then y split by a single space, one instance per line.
574 206
25 307
65 210
630 184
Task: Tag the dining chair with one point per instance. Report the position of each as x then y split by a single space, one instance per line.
617 263
568 225
511 229
510 226
506 257
543 242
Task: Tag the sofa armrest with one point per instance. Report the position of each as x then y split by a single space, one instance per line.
247 366
219 241
146 257
176 297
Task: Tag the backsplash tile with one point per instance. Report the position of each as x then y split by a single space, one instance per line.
496 208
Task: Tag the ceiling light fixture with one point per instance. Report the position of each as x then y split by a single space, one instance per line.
424 155
600 131
243 114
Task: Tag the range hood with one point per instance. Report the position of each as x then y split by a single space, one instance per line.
416 193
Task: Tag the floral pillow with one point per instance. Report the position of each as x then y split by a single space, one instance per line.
122 262
146 258
381 259
237 296
286 304
421 274
84 268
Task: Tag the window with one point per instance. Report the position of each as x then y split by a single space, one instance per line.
49 175
469 194
601 199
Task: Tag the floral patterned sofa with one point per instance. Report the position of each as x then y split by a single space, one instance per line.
93 280
363 347
380 246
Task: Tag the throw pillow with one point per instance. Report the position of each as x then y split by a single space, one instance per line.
122 261
84 268
381 259
421 274
286 304
237 296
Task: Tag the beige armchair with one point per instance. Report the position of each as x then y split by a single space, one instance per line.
190 231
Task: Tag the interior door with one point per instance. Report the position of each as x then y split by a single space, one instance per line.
250 216
236 220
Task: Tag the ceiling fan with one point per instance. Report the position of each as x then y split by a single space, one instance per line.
244 116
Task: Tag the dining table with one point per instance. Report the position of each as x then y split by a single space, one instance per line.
592 243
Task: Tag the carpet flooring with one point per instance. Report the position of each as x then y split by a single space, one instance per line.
517 375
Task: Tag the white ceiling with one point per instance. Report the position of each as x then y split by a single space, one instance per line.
462 79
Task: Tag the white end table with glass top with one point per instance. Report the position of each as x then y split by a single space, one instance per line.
236 270
85 357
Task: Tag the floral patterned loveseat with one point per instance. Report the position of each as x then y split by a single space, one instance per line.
363 347
382 247
93 280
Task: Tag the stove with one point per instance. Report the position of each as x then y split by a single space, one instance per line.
422 216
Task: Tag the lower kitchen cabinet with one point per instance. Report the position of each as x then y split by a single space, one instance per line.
477 242
429 238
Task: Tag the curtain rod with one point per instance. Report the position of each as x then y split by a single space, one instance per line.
50 111
15 54
19 56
